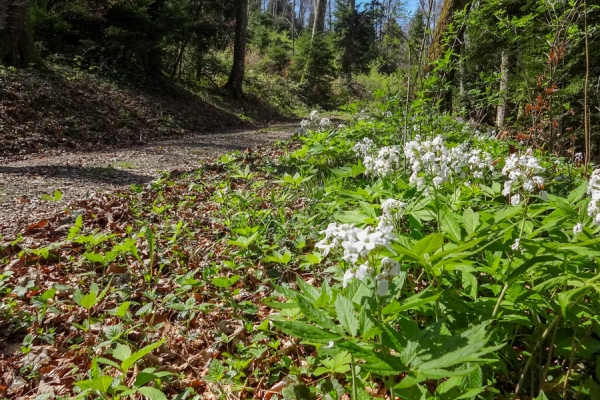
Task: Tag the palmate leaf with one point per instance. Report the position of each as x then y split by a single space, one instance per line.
379 363
317 316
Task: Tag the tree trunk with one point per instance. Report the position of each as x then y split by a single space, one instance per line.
501 110
236 77
319 21
16 42
437 48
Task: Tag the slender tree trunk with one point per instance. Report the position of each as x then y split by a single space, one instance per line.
501 110
236 77
319 21
16 43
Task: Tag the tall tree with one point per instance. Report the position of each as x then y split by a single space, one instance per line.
16 42
319 20
236 77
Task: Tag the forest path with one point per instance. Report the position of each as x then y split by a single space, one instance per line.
78 175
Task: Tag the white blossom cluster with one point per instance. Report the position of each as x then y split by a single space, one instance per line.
357 244
594 191
392 211
364 148
314 122
522 172
432 159
385 162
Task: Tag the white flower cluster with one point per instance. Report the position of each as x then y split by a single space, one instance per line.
594 191
392 211
364 148
314 122
431 158
385 162
357 243
522 172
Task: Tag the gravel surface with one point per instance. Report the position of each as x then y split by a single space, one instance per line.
80 175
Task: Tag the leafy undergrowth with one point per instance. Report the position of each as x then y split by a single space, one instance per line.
342 265
69 109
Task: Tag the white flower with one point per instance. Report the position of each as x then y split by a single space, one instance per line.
389 267
382 287
362 272
314 114
325 122
348 276
515 200
577 229
543 195
329 345
516 245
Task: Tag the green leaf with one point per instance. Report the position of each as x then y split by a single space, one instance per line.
100 384
221 282
152 393
450 227
126 364
315 315
428 244
376 362
346 314
121 352
412 302
310 291
529 264
564 298
353 217
86 301
305 331
469 283
470 220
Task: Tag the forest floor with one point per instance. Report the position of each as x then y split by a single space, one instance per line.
27 181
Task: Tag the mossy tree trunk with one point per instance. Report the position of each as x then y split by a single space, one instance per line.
236 77
16 42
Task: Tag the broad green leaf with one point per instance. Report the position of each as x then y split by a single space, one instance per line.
376 362
306 331
346 314
565 298
126 364
469 283
315 315
450 227
353 217
411 303
428 244
152 393
470 220
100 384
310 291
529 264
121 352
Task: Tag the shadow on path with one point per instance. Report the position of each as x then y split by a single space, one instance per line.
93 174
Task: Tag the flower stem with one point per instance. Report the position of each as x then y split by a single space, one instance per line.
506 284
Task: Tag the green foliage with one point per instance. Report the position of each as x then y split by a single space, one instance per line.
313 67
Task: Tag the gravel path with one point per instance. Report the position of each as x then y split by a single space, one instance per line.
80 175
